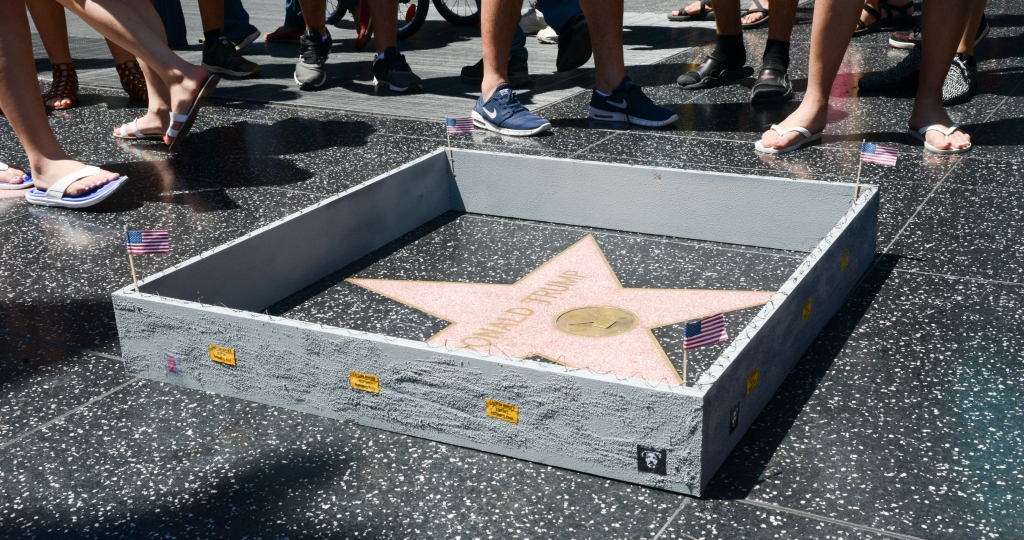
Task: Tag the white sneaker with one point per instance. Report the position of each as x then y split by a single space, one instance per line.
547 35
532 22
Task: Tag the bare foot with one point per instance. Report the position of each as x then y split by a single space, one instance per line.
53 171
692 9
184 94
751 18
153 123
931 114
12 175
55 103
807 116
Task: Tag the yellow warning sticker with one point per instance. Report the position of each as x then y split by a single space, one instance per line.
751 382
502 411
846 261
364 382
222 355
807 309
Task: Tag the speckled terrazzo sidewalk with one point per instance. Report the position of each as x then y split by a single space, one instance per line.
903 420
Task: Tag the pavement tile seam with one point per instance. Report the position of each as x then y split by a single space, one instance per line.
68 413
672 518
949 276
826 519
593 144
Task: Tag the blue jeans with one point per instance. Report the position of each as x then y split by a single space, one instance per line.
293 14
236 21
174 22
556 14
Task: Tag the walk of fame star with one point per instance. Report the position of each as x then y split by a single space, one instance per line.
571 310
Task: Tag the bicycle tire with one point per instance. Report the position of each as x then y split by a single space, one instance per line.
334 12
467 17
413 25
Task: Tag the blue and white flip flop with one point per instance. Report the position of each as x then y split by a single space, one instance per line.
26 181
55 195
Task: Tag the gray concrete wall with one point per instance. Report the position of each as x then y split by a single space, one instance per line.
777 338
273 262
572 419
737 209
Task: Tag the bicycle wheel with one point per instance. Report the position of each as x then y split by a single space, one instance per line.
459 12
334 12
411 15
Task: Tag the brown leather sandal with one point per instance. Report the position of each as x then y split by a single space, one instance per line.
133 81
65 86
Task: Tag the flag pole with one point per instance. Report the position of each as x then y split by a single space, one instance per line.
131 261
451 162
860 165
684 366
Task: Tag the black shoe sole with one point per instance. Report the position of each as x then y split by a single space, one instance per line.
732 77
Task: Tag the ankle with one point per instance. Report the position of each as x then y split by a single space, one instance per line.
730 51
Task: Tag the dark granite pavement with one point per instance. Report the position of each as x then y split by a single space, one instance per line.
903 420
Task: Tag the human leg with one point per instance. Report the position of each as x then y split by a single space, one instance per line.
237 27
498 21
136 27
52 26
19 98
773 84
727 63
220 55
615 97
292 29
314 46
389 66
518 63
942 29
831 30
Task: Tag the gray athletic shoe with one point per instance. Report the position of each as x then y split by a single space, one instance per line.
961 82
313 53
902 75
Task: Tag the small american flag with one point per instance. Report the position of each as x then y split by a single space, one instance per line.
706 331
459 125
173 364
882 155
143 242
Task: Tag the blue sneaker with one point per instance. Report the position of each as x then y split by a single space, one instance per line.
503 113
628 103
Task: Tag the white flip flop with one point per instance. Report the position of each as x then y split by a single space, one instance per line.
186 120
808 138
919 134
136 135
55 195
26 181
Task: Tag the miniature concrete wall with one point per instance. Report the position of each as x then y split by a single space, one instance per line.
777 338
737 209
568 418
572 419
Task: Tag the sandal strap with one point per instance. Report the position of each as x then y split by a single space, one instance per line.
874 12
133 128
902 10
4 166
800 130
179 119
760 8
940 128
57 190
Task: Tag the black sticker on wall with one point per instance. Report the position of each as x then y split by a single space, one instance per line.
651 460
734 418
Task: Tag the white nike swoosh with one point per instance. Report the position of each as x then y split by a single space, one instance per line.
492 114
621 104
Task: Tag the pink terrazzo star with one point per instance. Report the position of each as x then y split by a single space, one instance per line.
518 320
